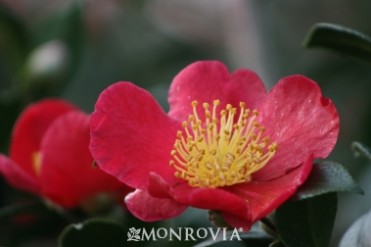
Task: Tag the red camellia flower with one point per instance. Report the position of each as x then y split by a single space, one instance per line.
49 155
226 144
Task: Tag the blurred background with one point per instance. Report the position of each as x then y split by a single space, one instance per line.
73 49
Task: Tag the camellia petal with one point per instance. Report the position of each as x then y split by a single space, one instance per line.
29 129
204 198
18 177
208 81
262 197
67 175
148 208
131 135
300 120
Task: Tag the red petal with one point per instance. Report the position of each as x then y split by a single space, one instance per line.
158 187
29 129
17 177
67 175
148 208
205 198
131 135
241 205
215 199
301 121
263 197
210 80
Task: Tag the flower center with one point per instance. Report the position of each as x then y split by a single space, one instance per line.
36 162
224 149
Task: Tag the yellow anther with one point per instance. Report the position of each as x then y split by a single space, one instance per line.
273 147
266 139
36 162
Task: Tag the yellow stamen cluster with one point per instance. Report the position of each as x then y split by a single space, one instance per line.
221 150
36 162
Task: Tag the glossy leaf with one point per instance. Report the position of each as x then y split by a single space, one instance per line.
340 39
307 223
62 35
327 177
93 232
14 45
66 25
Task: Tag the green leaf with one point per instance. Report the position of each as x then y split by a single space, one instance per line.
66 25
343 40
361 150
307 223
62 34
14 45
93 232
326 177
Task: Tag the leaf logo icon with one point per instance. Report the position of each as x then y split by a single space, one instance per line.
133 234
